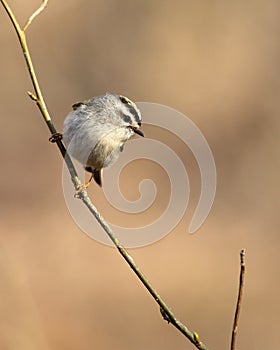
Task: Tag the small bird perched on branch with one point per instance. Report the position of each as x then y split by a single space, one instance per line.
96 130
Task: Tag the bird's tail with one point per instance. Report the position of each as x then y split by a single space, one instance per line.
97 175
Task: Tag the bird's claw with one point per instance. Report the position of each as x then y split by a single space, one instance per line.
82 188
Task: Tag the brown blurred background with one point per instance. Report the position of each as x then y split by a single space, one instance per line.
218 63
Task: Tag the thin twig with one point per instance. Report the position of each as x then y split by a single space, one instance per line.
239 300
82 194
38 96
164 309
35 14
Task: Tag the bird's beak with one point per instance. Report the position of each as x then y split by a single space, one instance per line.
137 131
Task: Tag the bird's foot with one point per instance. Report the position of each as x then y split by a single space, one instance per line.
82 188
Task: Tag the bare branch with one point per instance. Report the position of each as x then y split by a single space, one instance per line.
166 312
239 300
164 309
35 14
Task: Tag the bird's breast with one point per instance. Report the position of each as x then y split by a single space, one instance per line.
107 149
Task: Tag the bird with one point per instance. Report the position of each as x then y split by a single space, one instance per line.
95 131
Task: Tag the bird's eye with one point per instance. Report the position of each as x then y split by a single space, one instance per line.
125 100
127 119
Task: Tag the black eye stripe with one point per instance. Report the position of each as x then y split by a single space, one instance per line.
135 114
127 119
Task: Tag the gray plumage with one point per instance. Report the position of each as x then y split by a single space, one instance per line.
95 131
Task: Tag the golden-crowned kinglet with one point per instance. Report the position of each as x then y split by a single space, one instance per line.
96 130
